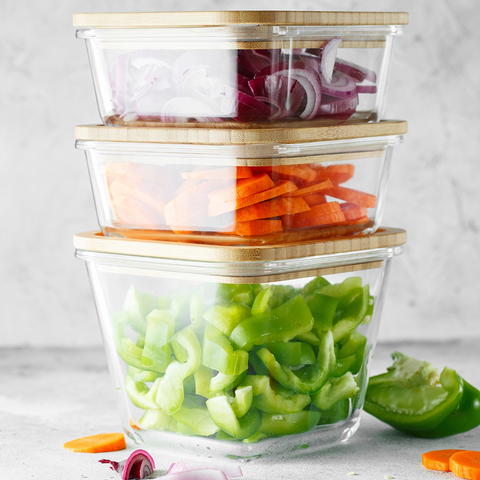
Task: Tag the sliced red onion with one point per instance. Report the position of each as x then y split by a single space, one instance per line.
269 55
137 466
366 88
252 62
280 111
314 51
182 109
231 471
247 108
310 81
355 71
338 106
340 86
329 54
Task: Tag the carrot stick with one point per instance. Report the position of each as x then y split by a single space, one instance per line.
465 464
220 173
103 442
301 192
133 212
258 227
302 173
315 199
323 214
272 208
336 173
281 187
359 221
243 188
438 459
353 196
353 212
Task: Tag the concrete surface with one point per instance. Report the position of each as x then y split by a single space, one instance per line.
50 396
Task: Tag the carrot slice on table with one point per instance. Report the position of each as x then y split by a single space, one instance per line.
281 187
466 464
315 199
353 196
336 173
438 459
243 188
220 173
258 227
272 208
301 192
323 214
103 442
352 211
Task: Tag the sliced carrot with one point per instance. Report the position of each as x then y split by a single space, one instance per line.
336 173
438 459
353 212
272 208
465 464
103 442
323 214
188 184
133 424
315 199
220 173
359 221
143 171
302 173
185 208
317 187
133 212
258 227
243 188
353 196
281 187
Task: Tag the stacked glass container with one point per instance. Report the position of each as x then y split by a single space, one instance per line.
239 181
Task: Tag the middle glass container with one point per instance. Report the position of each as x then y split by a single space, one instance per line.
240 187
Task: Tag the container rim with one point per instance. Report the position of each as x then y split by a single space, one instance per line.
241 136
245 18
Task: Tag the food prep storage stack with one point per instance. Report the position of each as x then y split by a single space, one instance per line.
239 352
232 69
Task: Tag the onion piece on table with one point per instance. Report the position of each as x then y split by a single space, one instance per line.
137 466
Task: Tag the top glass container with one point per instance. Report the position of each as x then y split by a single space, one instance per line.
236 69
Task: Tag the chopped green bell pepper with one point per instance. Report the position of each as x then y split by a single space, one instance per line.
281 401
194 414
300 422
335 390
279 325
137 391
308 379
227 317
412 396
292 353
260 304
137 306
338 412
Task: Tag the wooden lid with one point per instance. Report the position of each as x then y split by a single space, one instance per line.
254 18
96 242
244 136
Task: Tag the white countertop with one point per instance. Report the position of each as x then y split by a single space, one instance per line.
48 397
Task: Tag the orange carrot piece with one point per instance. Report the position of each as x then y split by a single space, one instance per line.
303 173
243 188
281 187
133 424
353 196
466 464
272 208
185 208
336 173
323 214
301 192
359 221
133 212
258 227
438 459
352 211
103 442
143 171
315 199
220 173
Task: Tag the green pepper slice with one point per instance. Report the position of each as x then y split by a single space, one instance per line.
335 390
412 396
279 325
194 414
292 353
227 317
300 422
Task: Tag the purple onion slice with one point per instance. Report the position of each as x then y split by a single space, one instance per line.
355 71
329 55
137 466
340 86
338 106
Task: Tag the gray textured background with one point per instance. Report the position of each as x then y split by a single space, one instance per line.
45 197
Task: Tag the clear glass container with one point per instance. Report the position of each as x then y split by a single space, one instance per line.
239 352
235 69
261 187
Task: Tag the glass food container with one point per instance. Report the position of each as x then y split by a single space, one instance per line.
234 69
240 187
239 352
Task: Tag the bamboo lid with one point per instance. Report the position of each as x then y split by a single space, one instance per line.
243 136
254 18
96 242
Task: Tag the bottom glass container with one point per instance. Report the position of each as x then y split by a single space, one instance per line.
239 352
